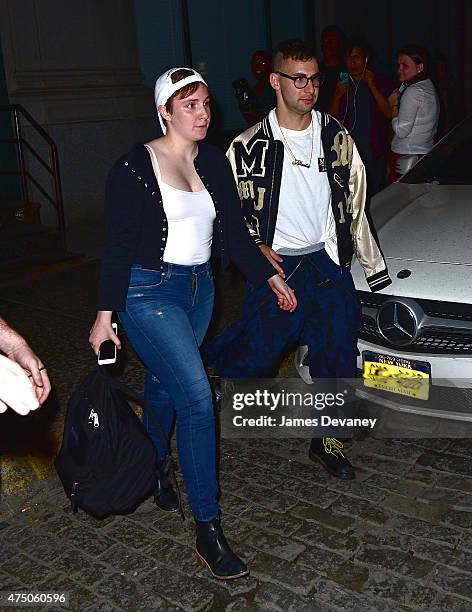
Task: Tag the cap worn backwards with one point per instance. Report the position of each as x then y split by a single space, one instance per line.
164 88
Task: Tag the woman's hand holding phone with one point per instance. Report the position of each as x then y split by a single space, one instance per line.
107 350
102 330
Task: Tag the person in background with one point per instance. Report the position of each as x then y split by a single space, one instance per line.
361 104
169 204
24 382
255 102
332 63
415 110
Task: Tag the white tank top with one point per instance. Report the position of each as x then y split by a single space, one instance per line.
190 216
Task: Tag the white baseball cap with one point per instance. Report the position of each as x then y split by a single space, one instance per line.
164 88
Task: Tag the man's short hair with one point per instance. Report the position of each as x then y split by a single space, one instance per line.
293 48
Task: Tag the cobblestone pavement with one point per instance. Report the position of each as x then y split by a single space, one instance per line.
399 537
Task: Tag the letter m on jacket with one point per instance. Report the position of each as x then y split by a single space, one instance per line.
250 160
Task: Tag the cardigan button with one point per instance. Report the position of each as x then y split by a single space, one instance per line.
133 170
162 248
145 184
139 177
126 164
153 193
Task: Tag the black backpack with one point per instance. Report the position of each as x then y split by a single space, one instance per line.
107 462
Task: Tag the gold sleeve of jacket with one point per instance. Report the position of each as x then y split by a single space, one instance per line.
365 246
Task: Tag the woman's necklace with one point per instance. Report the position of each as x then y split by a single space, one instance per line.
297 162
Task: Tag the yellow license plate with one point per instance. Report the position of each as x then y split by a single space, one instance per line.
396 375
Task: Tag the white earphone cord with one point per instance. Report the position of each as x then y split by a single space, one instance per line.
351 128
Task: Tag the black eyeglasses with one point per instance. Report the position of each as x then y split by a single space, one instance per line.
301 82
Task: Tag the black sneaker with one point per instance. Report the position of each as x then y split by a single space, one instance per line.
328 452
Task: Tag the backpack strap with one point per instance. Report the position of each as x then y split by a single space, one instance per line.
139 399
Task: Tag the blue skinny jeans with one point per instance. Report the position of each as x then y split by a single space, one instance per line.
167 315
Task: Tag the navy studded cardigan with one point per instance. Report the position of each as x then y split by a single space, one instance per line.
136 224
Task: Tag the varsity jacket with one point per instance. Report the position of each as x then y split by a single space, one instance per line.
257 161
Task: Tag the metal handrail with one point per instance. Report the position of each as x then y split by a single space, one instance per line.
38 157
18 111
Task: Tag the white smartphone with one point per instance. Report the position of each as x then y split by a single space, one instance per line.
107 350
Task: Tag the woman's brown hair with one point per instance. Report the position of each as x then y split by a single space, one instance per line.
187 90
419 55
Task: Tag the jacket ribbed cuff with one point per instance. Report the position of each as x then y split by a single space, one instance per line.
379 281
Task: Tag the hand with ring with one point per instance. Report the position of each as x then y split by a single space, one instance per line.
16 388
37 373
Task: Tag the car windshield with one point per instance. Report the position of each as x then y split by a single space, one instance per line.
450 161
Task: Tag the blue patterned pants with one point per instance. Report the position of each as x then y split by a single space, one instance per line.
327 319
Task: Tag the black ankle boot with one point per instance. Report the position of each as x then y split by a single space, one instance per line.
328 452
213 551
165 497
216 390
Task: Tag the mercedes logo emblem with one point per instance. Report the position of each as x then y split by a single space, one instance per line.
397 323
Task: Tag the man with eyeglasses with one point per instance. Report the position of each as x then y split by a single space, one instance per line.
302 186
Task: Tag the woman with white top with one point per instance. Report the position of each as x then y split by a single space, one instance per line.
415 111
169 205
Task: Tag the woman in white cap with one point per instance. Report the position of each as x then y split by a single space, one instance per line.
170 204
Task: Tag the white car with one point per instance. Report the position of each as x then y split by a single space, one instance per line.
415 344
